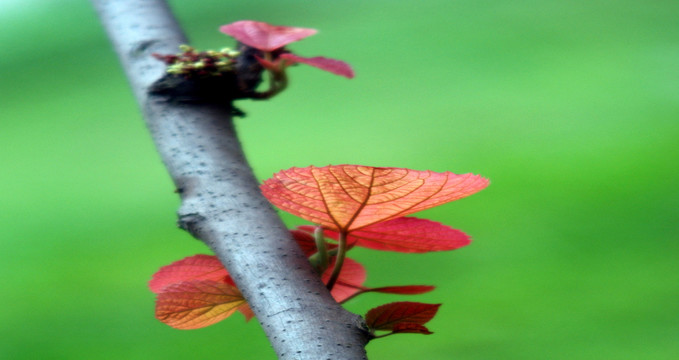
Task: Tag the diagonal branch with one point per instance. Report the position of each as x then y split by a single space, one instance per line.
221 202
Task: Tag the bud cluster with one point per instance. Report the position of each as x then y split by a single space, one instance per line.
192 63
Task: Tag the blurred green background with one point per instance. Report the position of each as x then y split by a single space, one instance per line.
570 108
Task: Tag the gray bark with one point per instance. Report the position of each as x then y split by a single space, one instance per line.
221 201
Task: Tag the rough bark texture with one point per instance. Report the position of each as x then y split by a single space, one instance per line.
221 201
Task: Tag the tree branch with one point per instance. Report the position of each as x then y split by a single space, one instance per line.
221 201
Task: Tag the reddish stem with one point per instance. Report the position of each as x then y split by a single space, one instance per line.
341 252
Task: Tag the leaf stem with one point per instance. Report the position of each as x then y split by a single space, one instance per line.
322 250
339 260
278 80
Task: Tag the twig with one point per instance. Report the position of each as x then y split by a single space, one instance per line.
221 201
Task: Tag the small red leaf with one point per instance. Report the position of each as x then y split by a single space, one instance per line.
410 328
305 241
406 234
274 66
197 267
351 278
337 67
403 290
197 303
385 317
263 36
246 311
350 197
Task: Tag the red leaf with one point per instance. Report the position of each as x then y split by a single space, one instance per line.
403 290
385 317
351 278
197 267
406 234
410 328
350 197
305 238
337 67
263 36
274 66
197 303
305 241
246 311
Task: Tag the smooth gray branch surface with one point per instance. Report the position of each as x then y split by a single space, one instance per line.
221 201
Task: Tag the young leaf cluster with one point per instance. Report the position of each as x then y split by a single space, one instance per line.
352 206
348 205
192 64
271 40
261 47
367 206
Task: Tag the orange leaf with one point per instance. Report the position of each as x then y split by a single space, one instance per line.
387 317
350 197
196 267
197 303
